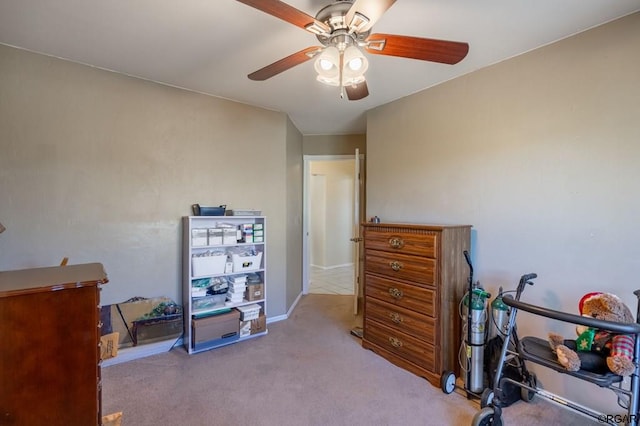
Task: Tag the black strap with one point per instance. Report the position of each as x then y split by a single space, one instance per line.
125 324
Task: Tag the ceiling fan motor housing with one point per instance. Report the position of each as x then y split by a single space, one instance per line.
334 16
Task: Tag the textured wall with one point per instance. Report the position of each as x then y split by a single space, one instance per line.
98 166
540 154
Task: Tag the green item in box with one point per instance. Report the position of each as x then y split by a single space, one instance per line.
212 314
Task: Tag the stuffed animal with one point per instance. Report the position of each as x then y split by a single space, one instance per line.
598 351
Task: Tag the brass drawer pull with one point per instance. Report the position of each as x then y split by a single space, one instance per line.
395 317
396 343
395 293
396 242
395 265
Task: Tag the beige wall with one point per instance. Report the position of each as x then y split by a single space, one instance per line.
332 213
540 154
100 167
334 144
294 213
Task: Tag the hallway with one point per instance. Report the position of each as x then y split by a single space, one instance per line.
331 281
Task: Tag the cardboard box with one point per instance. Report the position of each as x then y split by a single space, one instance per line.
218 328
109 345
245 328
259 325
254 292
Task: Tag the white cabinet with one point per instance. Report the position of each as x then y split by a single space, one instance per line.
223 280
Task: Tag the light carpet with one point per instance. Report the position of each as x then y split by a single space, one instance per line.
308 370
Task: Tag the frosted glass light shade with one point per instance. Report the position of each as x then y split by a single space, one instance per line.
328 66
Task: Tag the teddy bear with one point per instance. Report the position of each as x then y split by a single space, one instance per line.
598 351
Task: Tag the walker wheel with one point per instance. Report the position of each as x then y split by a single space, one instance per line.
486 398
448 382
526 394
487 416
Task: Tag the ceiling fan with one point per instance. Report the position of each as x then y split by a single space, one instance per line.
343 28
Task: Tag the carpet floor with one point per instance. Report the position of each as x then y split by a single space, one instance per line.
308 370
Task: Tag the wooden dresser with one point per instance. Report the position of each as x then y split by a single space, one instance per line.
414 278
50 357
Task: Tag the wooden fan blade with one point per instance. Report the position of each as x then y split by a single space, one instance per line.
287 13
426 49
372 9
285 63
357 92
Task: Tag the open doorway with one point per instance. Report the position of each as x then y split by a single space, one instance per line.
330 256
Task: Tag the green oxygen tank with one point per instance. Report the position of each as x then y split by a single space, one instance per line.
499 315
475 347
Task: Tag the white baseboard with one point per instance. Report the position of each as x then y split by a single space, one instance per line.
344 265
288 314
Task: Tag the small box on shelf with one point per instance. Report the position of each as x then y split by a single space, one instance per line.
254 292
199 237
215 236
249 312
254 326
229 236
259 325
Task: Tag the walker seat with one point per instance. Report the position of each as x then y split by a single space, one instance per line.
537 350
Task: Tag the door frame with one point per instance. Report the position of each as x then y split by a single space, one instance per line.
306 177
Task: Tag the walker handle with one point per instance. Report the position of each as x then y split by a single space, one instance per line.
615 327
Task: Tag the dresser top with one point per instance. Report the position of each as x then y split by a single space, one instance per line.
23 281
422 226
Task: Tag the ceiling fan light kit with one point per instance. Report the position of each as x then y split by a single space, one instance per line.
343 28
340 66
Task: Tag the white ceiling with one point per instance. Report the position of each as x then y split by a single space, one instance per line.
210 46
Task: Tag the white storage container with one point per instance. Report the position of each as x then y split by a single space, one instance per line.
249 312
199 237
208 265
246 263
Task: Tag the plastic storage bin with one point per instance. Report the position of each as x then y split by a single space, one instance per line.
208 265
249 312
246 263
208 302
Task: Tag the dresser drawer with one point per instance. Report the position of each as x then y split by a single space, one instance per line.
403 242
409 348
419 299
419 326
398 266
